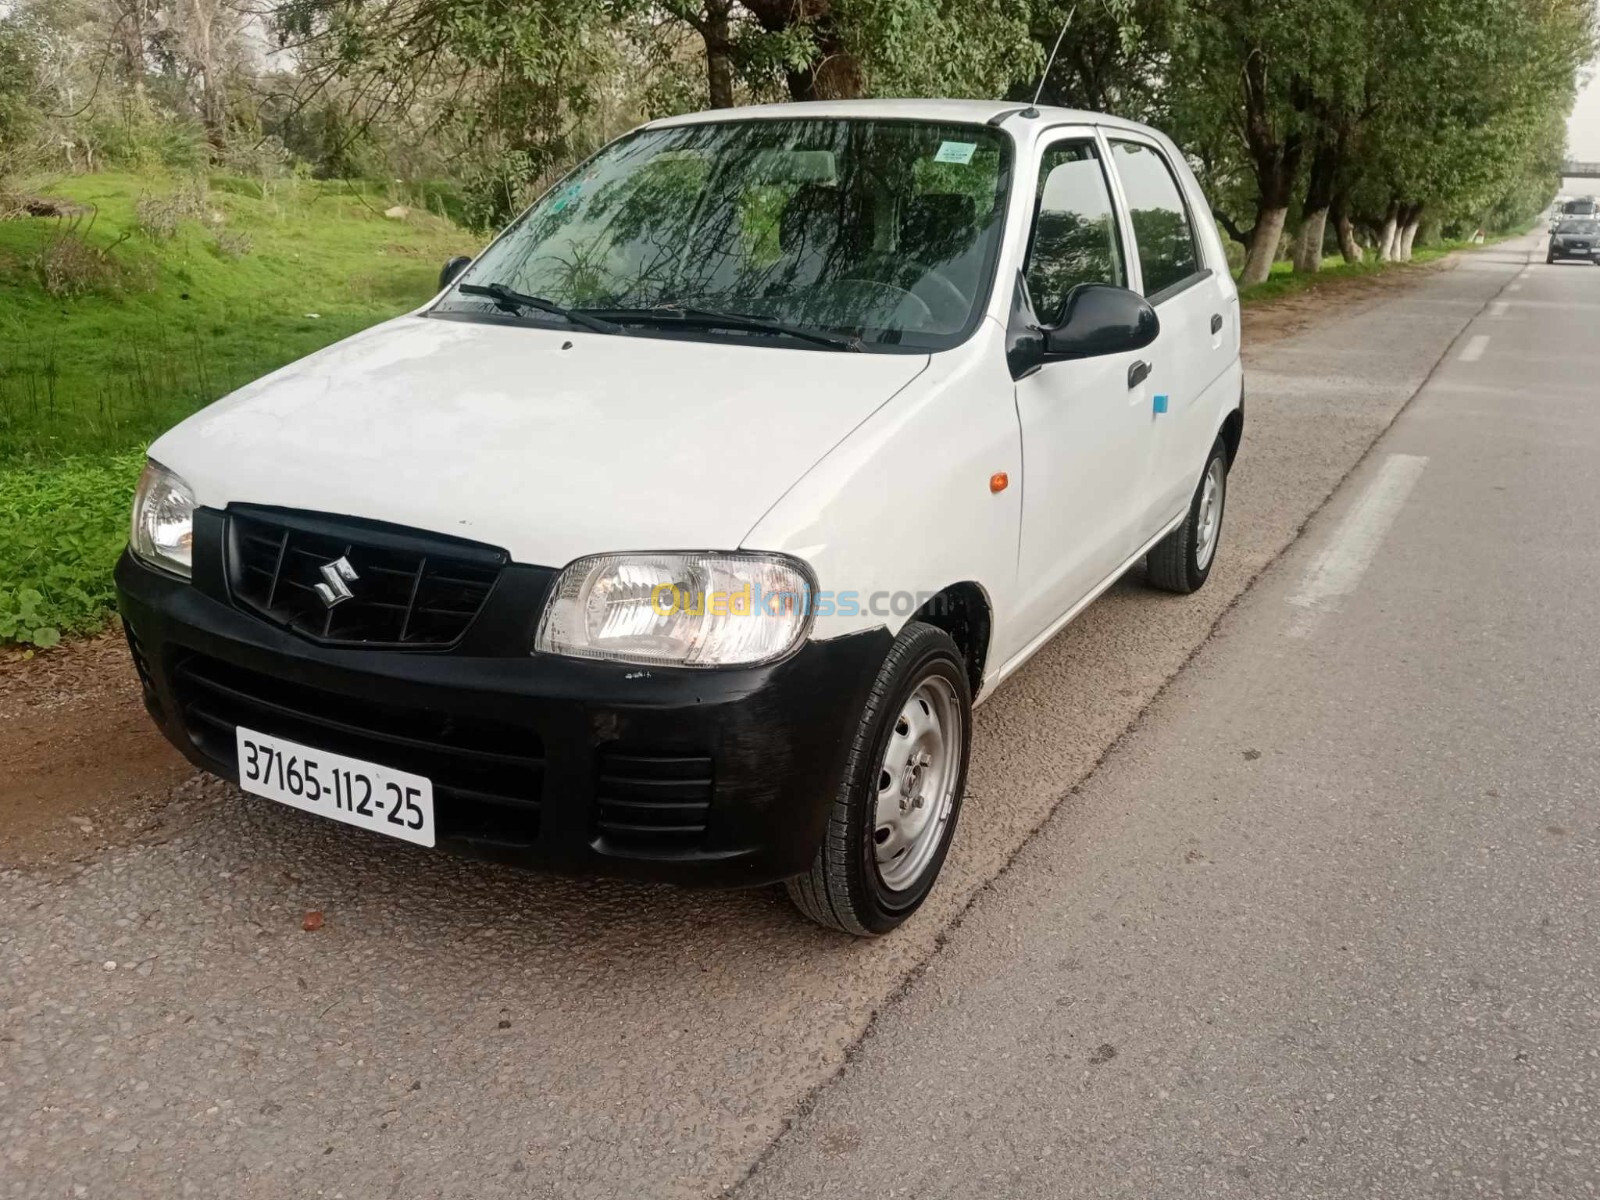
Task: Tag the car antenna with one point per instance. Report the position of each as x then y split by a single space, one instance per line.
1054 50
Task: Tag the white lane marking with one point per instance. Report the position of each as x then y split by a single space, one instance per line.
1499 308
1475 348
1515 287
1337 571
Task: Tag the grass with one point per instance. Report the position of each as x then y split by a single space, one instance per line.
1285 282
252 277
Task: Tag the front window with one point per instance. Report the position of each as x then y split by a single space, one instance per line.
881 234
1579 228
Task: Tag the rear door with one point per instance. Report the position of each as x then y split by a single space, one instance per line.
1199 317
1085 432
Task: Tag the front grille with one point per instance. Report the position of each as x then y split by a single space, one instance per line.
407 590
487 776
653 802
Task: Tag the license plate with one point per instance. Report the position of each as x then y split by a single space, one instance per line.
358 793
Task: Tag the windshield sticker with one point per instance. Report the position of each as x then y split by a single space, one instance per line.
956 152
568 194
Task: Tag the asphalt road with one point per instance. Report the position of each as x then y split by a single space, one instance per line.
167 1027
1328 922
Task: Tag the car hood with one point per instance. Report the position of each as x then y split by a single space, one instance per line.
551 444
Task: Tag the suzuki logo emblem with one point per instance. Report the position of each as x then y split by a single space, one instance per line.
337 577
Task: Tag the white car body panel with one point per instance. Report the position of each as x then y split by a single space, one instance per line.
499 434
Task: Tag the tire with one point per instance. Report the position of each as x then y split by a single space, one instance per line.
848 888
1181 562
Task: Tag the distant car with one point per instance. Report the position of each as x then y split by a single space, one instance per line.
1574 238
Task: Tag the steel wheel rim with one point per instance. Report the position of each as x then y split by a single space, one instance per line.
1209 524
916 784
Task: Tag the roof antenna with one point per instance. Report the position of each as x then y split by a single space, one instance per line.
1051 61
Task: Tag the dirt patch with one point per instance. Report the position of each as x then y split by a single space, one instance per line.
14 206
1332 296
81 765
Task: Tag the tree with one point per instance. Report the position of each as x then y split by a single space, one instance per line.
1266 71
1114 56
21 56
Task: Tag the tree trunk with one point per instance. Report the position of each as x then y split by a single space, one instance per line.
719 54
213 104
130 32
1408 232
1391 230
1348 245
1264 241
1319 198
833 73
1308 244
1276 162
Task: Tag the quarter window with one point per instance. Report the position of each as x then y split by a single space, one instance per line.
1161 226
1075 235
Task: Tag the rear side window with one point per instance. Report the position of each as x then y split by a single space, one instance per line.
1160 219
1075 235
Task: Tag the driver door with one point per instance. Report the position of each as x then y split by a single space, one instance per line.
1085 422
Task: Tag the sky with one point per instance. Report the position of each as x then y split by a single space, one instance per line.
1583 127
1583 136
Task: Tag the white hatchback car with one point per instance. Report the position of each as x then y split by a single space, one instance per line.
677 536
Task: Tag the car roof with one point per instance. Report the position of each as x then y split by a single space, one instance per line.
959 112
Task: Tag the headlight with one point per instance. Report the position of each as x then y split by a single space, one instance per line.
684 610
163 520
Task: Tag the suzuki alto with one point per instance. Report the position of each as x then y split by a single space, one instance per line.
677 536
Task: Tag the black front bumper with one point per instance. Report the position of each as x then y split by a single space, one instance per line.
710 777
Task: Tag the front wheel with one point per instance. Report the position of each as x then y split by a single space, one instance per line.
890 826
1181 561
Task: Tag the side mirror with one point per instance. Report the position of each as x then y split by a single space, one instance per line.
1097 319
451 271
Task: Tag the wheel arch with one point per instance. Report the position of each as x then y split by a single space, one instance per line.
1232 431
963 611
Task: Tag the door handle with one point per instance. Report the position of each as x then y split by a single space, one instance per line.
1138 373
1216 323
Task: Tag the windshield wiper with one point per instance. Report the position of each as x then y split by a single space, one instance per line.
709 318
515 301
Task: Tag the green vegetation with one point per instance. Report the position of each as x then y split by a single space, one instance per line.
158 297
1286 281
61 529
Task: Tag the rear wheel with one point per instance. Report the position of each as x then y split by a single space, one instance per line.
890 826
1181 561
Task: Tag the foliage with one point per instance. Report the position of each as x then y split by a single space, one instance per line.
21 61
61 529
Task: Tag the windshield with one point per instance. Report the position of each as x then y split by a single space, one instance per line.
1583 227
884 232
1579 207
